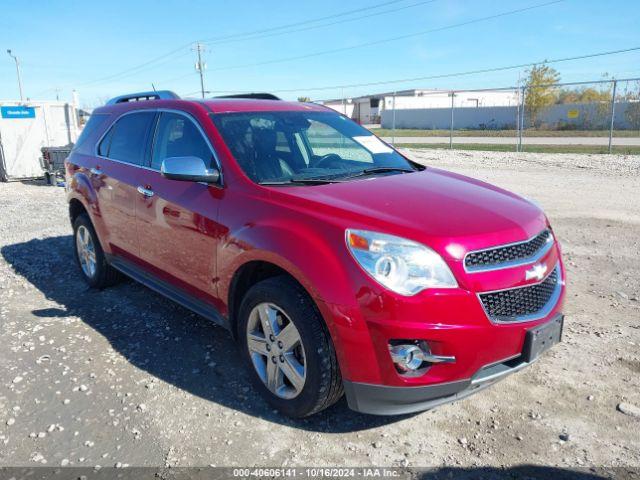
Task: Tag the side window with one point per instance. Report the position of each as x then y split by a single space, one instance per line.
127 139
178 136
282 145
300 144
103 148
90 130
324 139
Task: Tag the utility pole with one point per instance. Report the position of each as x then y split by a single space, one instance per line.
200 66
18 72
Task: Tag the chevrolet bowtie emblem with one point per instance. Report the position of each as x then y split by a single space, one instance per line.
536 272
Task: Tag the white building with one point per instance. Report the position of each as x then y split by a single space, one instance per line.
26 127
367 109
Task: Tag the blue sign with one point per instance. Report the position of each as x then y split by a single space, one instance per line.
18 112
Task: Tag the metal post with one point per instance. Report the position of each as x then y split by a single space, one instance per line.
518 114
613 112
453 96
393 121
18 73
521 120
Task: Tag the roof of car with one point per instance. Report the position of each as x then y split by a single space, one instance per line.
221 105
217 105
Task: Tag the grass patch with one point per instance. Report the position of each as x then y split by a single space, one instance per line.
619 149
385 132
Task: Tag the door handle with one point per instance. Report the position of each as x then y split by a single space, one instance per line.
96 171
145 191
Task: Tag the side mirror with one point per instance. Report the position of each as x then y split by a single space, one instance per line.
189 169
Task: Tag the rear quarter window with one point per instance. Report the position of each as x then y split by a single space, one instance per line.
90 133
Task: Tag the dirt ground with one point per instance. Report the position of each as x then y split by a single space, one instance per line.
125 377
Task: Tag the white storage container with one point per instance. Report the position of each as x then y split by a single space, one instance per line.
26 127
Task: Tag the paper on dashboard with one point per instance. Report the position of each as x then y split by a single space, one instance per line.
373 144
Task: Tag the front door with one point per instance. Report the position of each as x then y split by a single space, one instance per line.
177 220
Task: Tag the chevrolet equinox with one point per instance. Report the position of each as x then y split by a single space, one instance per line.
337 264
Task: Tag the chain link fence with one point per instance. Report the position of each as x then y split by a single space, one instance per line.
600 116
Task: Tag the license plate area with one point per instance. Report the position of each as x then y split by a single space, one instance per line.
541 338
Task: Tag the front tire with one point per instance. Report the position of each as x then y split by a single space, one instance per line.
287 348
93 264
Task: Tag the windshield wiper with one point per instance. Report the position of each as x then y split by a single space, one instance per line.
336 178
369 171
299 181
387 169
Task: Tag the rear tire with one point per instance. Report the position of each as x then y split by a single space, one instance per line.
317 384
90 257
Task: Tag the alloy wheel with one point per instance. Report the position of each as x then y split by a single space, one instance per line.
86 251
276 350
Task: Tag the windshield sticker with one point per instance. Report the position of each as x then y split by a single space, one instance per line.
373 144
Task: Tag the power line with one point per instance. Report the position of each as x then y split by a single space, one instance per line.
157 61
153 63
392 39
136 69
180 77
450 75
303 22
323 25
460 74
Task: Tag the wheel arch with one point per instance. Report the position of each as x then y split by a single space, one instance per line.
76 208
82 198
247 275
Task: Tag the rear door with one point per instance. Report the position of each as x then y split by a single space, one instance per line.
177 220
122 153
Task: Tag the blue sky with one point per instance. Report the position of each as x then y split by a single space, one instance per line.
94 46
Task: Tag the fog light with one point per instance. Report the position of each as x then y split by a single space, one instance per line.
407 358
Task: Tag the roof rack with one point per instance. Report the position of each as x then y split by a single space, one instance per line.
141 96
256 96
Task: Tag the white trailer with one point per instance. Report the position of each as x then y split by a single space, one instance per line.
26 127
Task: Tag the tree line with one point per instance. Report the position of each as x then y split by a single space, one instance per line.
543 92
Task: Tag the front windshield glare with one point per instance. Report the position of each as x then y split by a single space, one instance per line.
289 147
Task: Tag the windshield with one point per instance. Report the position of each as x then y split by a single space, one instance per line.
302 147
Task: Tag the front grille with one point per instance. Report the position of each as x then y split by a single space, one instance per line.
522 303
499 256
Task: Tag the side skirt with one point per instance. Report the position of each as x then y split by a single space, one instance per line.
176 294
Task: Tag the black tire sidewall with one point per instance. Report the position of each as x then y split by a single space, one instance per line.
292 300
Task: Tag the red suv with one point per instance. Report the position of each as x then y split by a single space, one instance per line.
337 264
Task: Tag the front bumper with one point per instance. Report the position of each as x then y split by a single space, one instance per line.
393 400
387 400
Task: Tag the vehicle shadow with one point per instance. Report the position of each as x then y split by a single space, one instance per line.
36 182
531 472
518 472
160 337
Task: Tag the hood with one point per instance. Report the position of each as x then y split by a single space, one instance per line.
436 207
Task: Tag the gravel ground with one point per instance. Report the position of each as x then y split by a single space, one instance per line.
124 377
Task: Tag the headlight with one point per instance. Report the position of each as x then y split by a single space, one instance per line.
401 265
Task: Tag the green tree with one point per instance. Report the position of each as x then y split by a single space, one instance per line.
596 109
304 99
540 91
